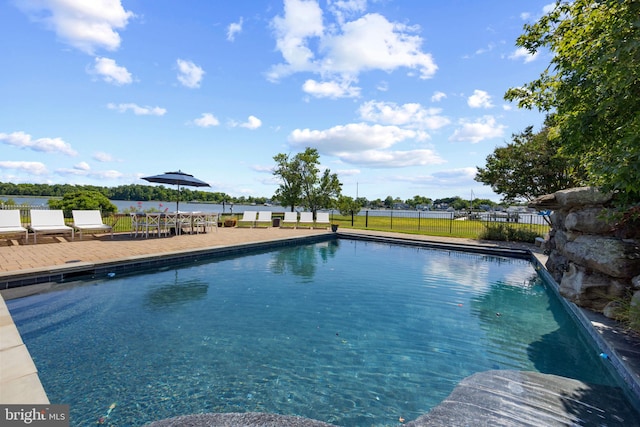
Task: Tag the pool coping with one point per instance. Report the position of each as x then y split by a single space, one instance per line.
20 381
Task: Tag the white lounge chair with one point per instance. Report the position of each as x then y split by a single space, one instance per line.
322 220
89 220
48 222
10 223
248 217
306 219
290 220
264 219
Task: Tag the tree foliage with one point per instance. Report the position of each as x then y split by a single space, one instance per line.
530 166
83 199
348 206
289 193
302 183
593 86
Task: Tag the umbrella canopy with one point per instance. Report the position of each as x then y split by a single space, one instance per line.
177 178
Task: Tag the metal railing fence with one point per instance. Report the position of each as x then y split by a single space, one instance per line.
451 224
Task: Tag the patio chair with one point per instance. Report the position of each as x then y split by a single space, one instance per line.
290 220
89 220
153 220
169 224
204 221
48 222
322 220
264 219
248 217
306 219
10 223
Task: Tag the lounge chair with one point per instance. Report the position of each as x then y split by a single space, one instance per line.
264 219
248 217
322 220
48 222
290 220
306 219
89 220
10 223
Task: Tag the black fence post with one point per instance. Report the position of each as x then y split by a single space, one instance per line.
366 219
391 224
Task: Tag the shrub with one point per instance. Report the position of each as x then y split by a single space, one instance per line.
506 233
79 200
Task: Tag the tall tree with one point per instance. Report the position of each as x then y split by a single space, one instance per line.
301 181
290 191
530 166
593 86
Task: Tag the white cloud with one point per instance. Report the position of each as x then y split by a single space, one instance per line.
372 42
302 19
252 123
32 168
412 115
85 25
103 157
438 96
189 74
474 132
479 99
331 89
443 178
111 72
206 120
392 159
137 110
79 170
233 29
46 145
82 166
348 172
351 137
343 9
522 53
347 49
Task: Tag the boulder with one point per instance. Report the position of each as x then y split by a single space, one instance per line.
589 220
581 196
608 255
589 289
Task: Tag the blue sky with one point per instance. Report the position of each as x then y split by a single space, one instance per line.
400 97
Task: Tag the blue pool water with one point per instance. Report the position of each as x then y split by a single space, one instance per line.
348 332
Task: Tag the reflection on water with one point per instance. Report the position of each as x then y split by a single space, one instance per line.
302 260
176 293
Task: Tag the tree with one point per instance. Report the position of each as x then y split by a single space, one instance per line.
348 206
303 183
83 200
419 201
290 191
593 85
530 166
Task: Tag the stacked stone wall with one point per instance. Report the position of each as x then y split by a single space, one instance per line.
596 263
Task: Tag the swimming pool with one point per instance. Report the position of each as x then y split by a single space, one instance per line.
348 332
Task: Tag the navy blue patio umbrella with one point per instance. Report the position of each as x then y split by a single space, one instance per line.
177 178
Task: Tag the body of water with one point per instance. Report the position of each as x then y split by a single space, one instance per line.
348 332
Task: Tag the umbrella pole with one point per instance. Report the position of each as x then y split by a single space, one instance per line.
178 200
